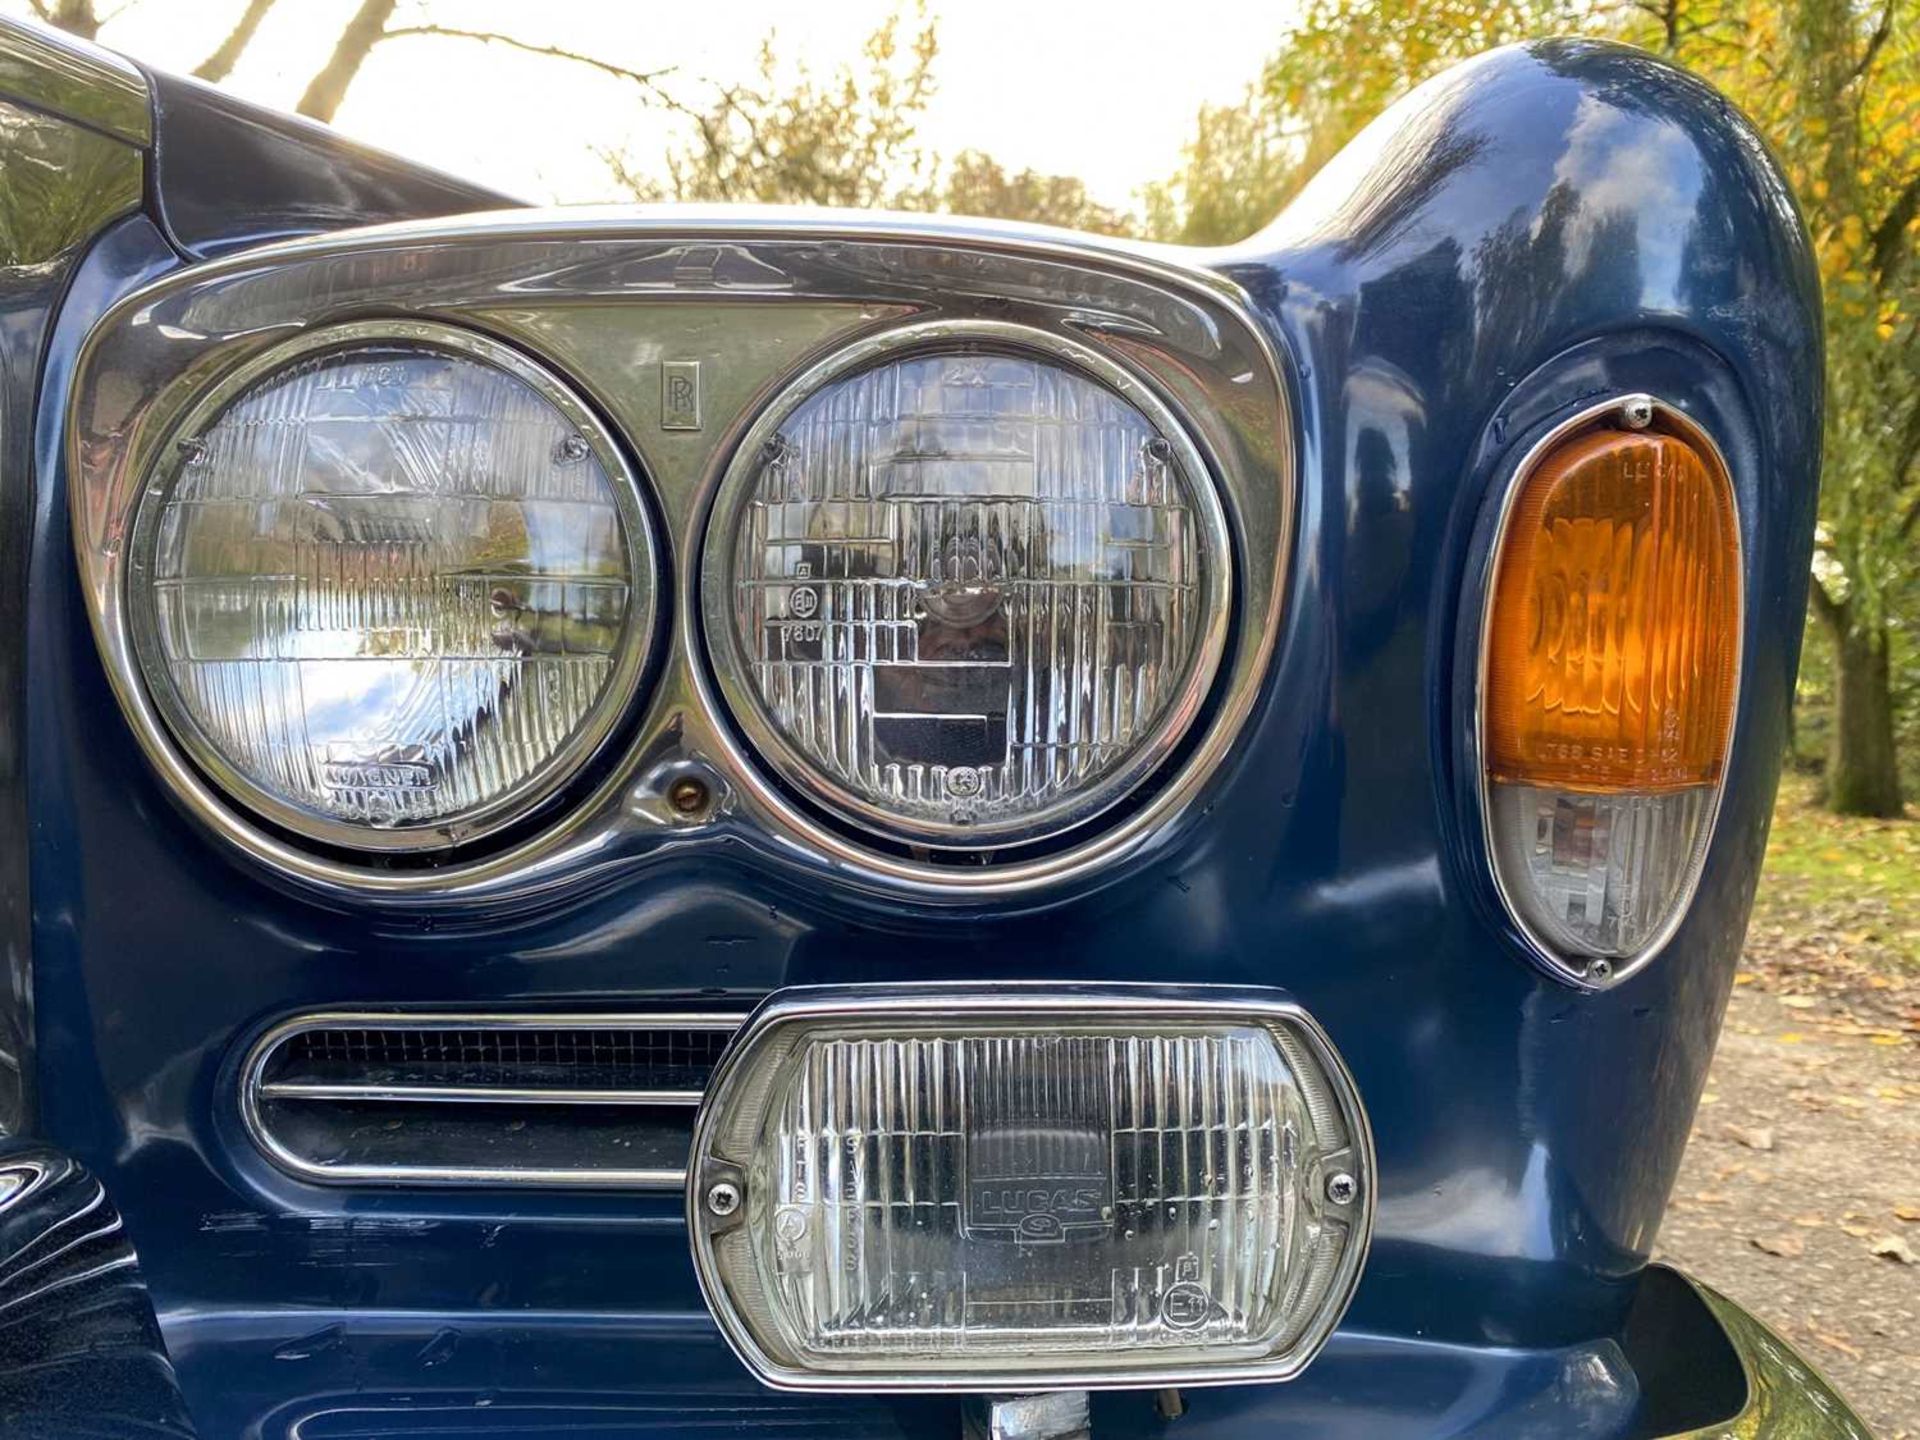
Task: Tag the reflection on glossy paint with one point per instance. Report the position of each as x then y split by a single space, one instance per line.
1479 1210
1637 180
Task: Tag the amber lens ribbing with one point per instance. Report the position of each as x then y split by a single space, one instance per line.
1614 631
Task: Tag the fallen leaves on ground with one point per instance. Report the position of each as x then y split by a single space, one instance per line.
1895 1247
1754 1137
1818 1066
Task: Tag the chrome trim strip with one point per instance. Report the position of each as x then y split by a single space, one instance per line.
477 1177
728 670
1587 975
133 615
762 295
76 81
61 186
253 1091
938 1003
473 1094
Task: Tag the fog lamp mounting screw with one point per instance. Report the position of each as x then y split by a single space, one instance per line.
1341 1188
723 1198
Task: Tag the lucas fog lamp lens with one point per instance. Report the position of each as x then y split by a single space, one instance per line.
956 1190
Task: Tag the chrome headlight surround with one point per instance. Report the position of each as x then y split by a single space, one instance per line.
1078 804
136 621
743 303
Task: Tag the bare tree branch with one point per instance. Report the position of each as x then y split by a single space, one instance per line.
1830 610
648 80
217 66
76 17
1881 34
365 30
1906 458
1891 233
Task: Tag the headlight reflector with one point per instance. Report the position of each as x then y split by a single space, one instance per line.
392 585
967 590
943 1189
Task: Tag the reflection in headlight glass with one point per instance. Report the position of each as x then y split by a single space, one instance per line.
967 589
389 585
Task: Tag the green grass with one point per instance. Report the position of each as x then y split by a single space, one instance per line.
1856 879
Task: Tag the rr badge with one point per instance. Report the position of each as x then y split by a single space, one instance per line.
679 394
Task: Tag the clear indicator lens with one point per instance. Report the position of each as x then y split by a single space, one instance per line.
390 590
1599 872
1039 1196
969 593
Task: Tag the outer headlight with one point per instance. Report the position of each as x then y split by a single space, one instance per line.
934 1188
391 586
966 584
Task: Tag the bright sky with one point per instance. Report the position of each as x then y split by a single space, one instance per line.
1104 91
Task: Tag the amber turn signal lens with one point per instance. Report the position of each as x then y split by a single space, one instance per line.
1614 631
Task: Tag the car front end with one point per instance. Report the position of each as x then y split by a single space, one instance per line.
646 821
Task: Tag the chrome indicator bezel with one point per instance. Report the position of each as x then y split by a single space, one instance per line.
1583 970
639 632
730 663
604 300
915 1005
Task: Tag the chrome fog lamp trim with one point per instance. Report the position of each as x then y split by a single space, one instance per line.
720 1201
730 665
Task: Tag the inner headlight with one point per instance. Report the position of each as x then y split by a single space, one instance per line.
967 586
391 586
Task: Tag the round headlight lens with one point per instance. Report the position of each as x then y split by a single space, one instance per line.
967 595
394 588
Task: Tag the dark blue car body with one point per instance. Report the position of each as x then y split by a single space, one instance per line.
1542 227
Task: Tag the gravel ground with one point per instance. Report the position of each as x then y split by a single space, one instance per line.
1800 1193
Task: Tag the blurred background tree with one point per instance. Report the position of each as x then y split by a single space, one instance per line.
1835 87
788 138
852 139
1833 84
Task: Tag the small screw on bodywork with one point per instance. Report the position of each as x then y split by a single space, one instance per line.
689 795
1637 413
723 1198
1599 971
1341 1188
572 449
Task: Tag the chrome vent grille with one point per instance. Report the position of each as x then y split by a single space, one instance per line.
350 1098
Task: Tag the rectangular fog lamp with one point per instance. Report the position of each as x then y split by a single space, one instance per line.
931 1188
